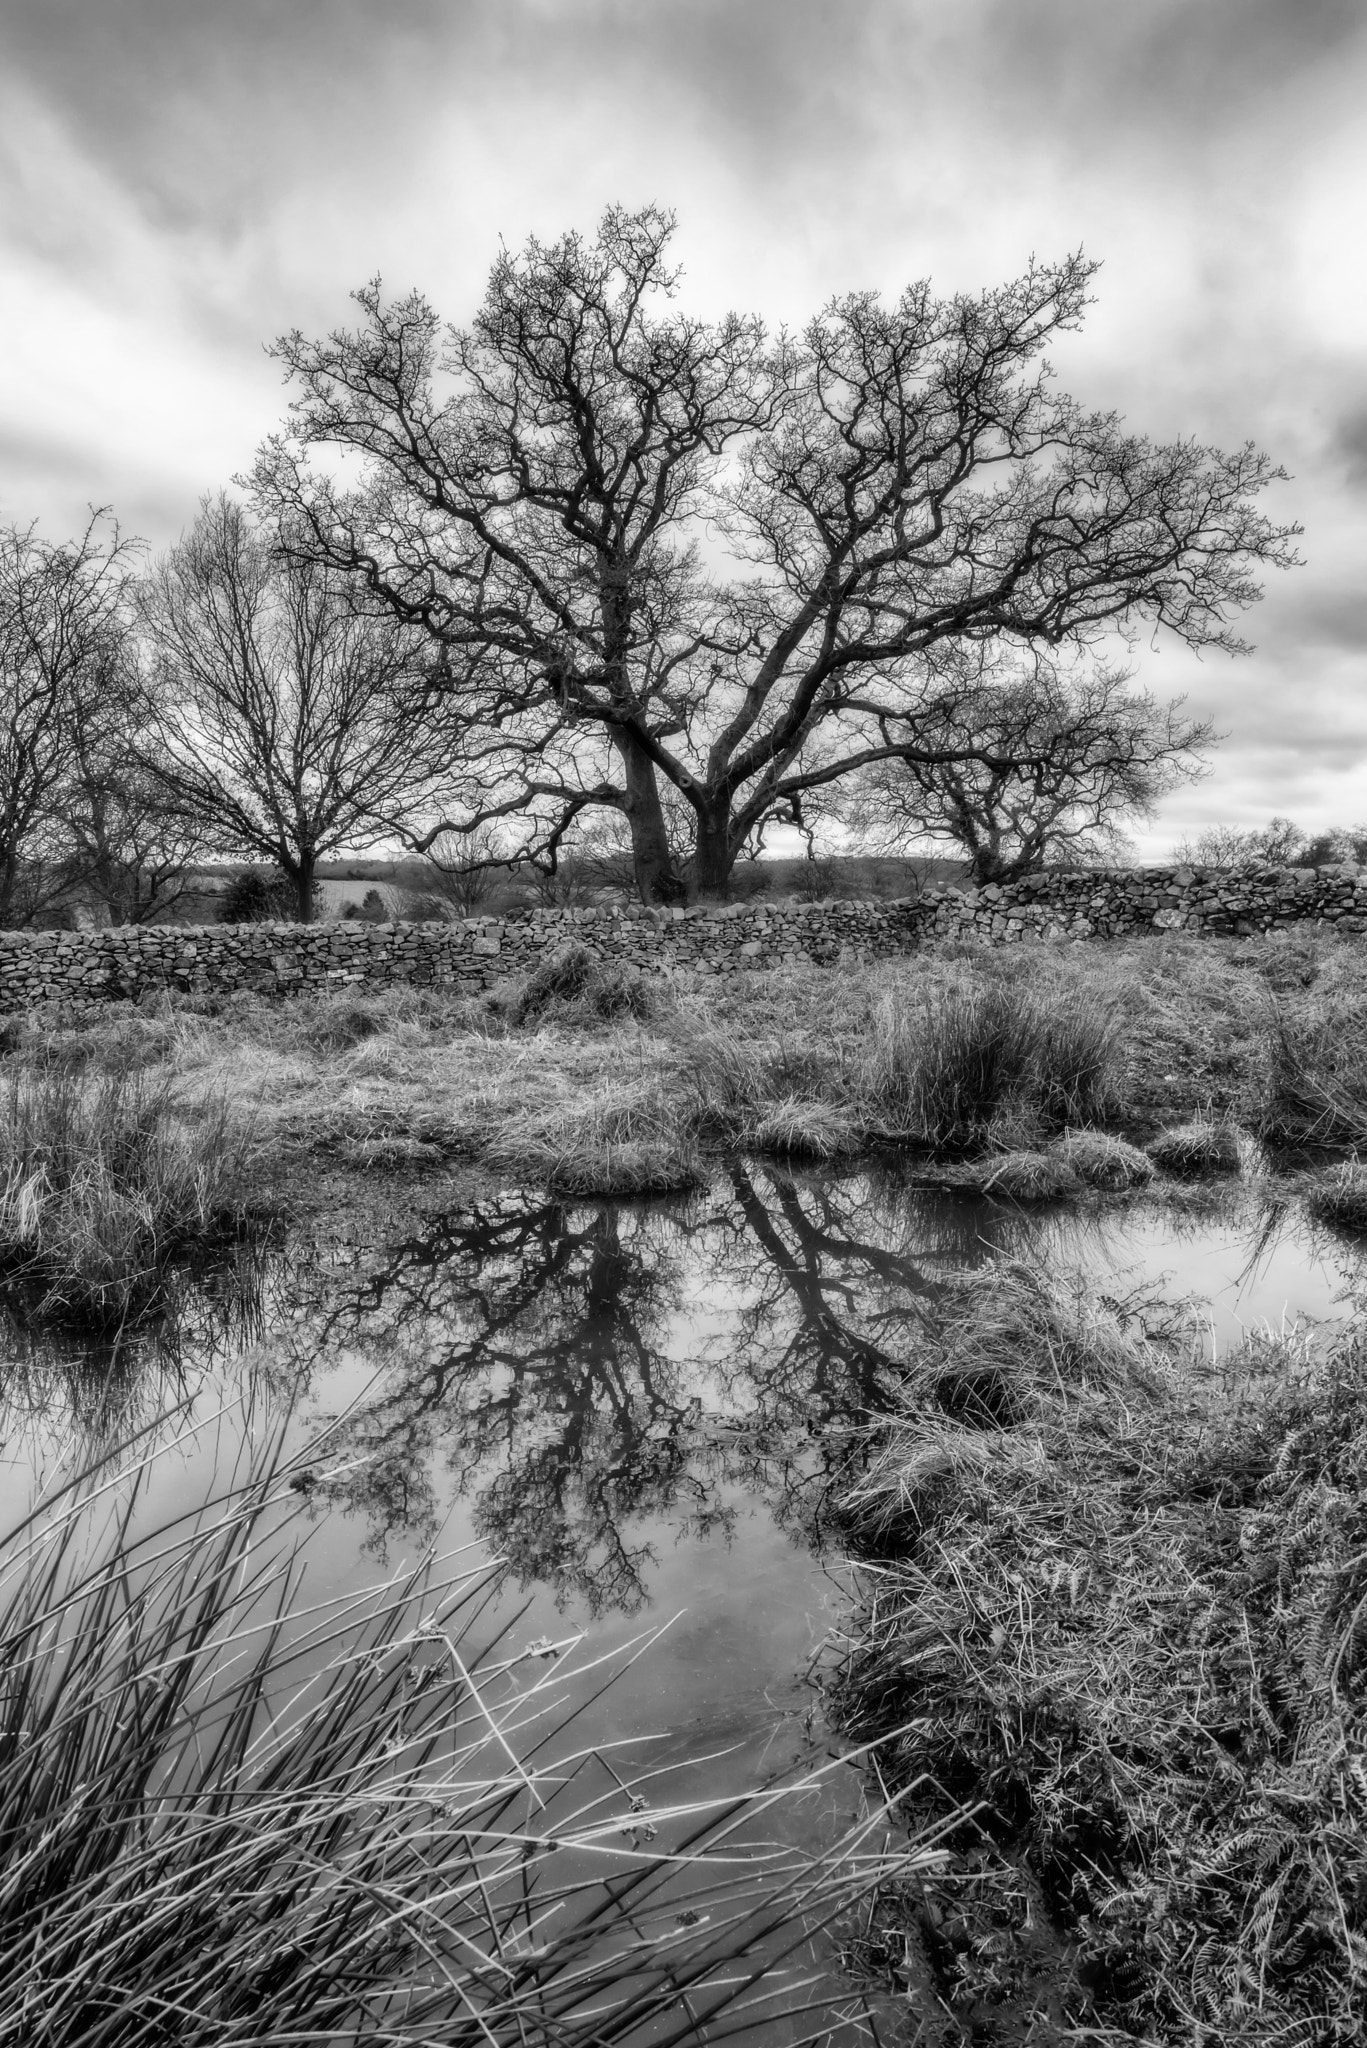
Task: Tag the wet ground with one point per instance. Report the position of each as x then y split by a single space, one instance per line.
643 1411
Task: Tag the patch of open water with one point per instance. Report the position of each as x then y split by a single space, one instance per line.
641 1409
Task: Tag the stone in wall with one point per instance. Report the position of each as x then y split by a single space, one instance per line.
74 971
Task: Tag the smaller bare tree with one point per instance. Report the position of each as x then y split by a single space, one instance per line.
1021 770
281 709
65 669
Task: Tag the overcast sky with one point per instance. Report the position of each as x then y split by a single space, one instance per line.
182 179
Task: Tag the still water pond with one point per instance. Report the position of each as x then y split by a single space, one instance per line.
640 1409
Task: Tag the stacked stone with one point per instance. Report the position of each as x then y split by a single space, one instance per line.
73 971
1119 902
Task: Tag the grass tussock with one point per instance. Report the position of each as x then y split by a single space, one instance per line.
1316 1088
951 1067
1102 1161
226 1817
1124 1612
947 1067
105 1179
621 1138
1029 1177
1339 1196
1195 1149
575 980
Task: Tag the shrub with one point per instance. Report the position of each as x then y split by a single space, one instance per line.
104 1179
256 898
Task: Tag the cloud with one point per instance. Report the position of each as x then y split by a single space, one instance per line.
181 179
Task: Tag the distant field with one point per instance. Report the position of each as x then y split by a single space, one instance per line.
403 883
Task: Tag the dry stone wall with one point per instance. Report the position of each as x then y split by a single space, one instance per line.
74 971
1119 902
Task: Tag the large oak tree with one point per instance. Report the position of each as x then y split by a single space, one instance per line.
655 550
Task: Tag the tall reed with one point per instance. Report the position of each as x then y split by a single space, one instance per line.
228 1816
949 1066
104 1178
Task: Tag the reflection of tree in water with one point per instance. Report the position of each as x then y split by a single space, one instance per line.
583 1369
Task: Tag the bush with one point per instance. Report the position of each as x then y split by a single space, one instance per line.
256 898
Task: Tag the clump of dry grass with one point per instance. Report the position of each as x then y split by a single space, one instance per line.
1029 1177
1124 1612
227 1818
632 1167
1316 1087
1339 1196
1200 1147
104 1181
798 1129
946 1066
573 977
1102 1161
620 1138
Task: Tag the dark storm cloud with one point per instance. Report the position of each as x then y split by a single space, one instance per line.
198 107
1178 74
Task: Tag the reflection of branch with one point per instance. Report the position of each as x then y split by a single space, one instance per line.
539 1345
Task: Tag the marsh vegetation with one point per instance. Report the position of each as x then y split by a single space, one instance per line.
1109 1581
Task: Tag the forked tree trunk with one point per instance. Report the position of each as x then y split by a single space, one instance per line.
652 864
714 855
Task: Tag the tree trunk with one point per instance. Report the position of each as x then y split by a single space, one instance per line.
301 875
714 855
656 879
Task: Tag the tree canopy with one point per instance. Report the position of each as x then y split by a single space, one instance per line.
1019 769
654 552
277 716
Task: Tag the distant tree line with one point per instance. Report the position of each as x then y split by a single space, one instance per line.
1278 844
593 572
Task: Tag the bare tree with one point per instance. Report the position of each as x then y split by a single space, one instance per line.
279 719
895 480
1279 844
131 850
65 665
1016 772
